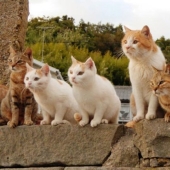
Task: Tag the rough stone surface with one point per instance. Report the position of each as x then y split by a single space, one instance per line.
85 168
124 153
66 145
13 19
153 139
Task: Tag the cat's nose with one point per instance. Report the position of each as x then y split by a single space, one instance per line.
29 83
127 47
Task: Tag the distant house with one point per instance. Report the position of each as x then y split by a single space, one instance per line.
124 93
54 72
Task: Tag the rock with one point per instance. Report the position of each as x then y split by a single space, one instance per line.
152 138
64 145
124 153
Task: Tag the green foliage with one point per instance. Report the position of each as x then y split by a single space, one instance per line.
54 40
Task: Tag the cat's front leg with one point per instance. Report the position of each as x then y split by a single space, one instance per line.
59 115
140 107
152 107
46 118
98 115
15 115
85 118
28 112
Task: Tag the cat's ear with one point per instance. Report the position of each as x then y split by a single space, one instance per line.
90 63
146 31
28 53
45 69
11 50
73 59
126 29
29 68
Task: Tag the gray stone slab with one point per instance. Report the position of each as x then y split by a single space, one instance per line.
66 145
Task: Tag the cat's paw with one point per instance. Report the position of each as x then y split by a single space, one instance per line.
94 123
12 124
105 121
150 116
83 123
137 118
167 117
28 122
44 122
56 122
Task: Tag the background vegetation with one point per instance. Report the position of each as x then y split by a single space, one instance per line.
54 40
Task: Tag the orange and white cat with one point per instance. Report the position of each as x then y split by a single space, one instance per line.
95 94
160 85
143 55
54 96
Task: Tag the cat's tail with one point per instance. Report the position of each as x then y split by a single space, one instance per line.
130 124
77 117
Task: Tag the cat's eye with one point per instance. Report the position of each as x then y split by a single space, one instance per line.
125 41
161 82
27 78
19 61
80 73
135 42
71 72
36 78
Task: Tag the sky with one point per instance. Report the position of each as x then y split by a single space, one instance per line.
134 14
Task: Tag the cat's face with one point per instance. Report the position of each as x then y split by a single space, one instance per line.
36 79
17 60
136 43
80 73
160 83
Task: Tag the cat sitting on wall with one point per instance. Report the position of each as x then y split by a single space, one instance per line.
54 96
143 54
18 106
95 94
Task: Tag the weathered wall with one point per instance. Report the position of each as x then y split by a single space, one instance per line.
71 147
13 24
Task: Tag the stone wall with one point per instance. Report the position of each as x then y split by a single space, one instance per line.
13 24
71 147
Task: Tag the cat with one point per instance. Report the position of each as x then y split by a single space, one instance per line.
54 96
95 94
160 85
18 106
143 54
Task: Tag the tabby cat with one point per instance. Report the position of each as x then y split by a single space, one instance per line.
54 96
160 84
143 54
18 107
95 94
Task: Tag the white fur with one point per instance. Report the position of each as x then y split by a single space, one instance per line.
95 95
141 71
55 98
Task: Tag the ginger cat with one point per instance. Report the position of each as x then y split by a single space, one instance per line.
143 54
160 85
54 96
95 95
18 107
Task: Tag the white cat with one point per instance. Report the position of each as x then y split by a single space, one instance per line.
143 55
95 95
54 96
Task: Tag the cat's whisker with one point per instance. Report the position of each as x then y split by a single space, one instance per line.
119 53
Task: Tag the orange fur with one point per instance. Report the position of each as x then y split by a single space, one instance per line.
18 106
